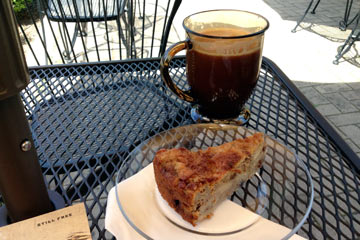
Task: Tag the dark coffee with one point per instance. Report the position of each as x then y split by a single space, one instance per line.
222 82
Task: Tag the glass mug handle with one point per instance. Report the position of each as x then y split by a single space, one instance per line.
164 70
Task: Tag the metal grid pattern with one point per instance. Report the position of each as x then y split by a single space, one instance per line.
86 118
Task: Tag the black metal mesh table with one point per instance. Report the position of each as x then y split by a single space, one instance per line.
86 118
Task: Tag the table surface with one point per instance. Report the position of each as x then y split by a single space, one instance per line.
86 118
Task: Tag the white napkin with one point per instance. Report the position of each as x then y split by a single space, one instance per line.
137 195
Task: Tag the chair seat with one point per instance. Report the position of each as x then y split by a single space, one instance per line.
84 10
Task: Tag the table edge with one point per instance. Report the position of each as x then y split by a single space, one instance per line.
345 149
317 116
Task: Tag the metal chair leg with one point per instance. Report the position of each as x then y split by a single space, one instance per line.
353 36
123 38
65 53
43 28
83 30
140 17
347 46
302 18
132 29
77 31
343 24
316 5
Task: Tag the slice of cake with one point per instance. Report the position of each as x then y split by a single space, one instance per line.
194 183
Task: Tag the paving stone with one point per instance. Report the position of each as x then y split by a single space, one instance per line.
355 85
340 102
342 135
332 88
352 132
327 109
314 96
302 84
352 95
357 103
345 119
353 146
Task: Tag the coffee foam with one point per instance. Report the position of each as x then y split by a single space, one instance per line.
217 48
226 47
224 32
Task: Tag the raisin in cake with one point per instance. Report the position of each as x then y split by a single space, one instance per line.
194 183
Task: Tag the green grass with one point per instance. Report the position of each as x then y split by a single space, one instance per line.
23 8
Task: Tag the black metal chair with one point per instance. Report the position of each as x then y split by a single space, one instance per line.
343 25
306 12
140 30
82 12
352 38
151 29
63 107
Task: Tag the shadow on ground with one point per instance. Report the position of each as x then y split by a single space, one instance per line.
325 21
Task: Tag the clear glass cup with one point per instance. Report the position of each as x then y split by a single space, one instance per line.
223 59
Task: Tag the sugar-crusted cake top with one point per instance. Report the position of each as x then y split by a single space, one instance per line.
188 170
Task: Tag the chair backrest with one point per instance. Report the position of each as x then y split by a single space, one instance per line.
84 10
146 42
96 30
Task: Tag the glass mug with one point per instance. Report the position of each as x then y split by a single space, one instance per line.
223 59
